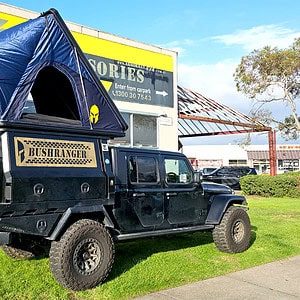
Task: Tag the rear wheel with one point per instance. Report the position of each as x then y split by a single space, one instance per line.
233 234
83 256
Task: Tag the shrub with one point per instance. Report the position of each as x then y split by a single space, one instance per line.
284 185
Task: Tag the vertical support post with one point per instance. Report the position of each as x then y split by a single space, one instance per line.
272 152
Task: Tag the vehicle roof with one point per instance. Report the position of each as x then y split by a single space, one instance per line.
146 150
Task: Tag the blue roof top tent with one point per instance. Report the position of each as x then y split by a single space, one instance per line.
40 57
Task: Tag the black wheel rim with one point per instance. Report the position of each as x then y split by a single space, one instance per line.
87 256
238 231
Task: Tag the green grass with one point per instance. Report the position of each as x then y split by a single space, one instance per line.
150 265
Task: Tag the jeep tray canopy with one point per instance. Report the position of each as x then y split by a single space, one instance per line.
40 57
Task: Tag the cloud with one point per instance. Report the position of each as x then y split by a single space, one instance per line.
246 40
214 81
257 37
180 46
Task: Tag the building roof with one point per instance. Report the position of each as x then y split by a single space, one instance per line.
201 116
281 154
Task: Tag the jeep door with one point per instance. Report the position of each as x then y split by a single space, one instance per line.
184 198
145 191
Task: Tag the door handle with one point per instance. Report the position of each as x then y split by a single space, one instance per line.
139 195
171 194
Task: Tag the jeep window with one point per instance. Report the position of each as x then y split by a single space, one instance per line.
177 171
143 170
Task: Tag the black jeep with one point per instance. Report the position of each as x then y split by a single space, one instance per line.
65 188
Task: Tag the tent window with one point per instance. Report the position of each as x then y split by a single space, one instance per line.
53 95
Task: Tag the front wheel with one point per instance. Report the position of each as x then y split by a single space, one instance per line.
83 256
233 234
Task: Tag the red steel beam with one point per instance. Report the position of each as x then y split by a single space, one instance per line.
272 153
257 127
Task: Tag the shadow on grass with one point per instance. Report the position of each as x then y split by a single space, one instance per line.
131 253
253 235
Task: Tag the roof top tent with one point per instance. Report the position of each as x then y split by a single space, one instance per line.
45 78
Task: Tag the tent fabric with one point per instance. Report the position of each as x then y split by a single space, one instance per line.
43 47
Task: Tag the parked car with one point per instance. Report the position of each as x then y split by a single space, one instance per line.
229 175
206 171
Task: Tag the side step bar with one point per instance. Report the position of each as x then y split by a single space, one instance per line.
144 234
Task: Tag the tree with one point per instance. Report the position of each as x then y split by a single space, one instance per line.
289 128
270 75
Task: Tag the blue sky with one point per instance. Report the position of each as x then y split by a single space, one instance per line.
210 36
204 32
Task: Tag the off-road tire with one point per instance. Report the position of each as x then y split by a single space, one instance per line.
82 258
17 253
233 234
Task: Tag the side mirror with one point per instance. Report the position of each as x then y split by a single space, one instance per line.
198 177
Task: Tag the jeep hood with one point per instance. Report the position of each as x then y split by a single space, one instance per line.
216 188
